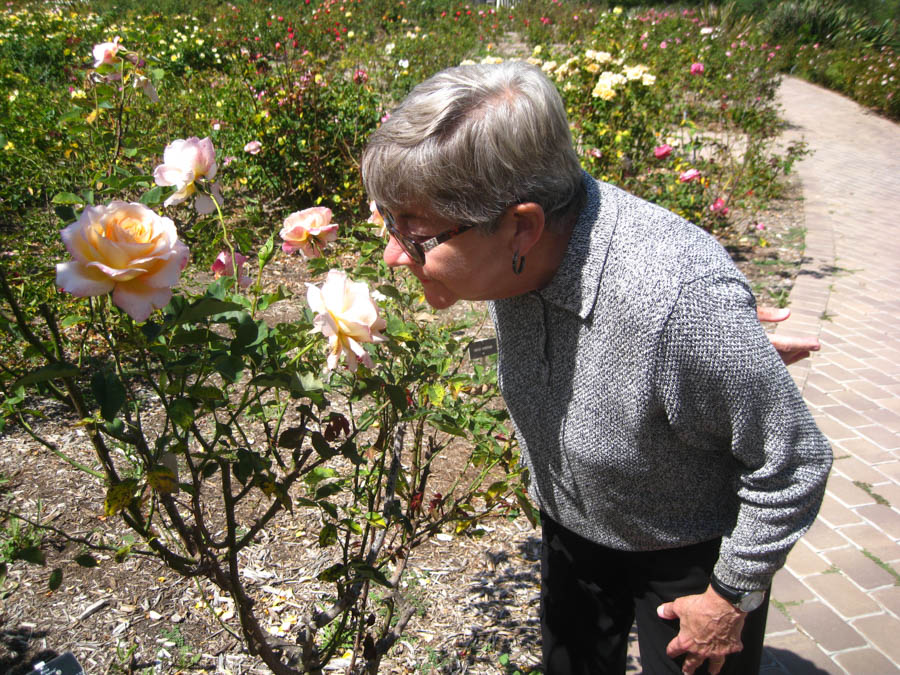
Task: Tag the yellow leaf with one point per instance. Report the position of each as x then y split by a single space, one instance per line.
163 479
93 116
118 497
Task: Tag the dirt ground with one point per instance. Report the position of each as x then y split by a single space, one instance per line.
479 597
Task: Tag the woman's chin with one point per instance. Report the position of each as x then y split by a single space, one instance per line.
439 298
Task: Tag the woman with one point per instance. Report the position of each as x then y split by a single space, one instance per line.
671 455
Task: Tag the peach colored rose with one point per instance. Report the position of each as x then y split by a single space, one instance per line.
347 316
377 220
186 161
224 267
125 248
308 231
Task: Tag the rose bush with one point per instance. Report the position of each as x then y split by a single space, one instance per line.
125 248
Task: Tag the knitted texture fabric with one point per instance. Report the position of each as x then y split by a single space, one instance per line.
652 410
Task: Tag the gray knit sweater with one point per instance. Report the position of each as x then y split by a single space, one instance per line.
652 410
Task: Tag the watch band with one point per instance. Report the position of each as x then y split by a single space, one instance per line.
746 601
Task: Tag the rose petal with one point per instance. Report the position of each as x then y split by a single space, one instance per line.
82 281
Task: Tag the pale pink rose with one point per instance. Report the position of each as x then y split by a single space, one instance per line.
689 175
253 147
697 69
308 231
125 248
186 161
376 219
224 267
663 45
347 316
105 53
662 151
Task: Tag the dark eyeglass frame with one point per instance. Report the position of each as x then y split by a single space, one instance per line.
416 250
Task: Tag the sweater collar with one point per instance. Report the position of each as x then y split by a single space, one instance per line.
576 283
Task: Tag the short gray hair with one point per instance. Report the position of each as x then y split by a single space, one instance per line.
472 140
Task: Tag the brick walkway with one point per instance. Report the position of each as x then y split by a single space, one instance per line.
836 605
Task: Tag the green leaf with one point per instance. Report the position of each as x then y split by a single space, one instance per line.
292 438
182 413
319 474
121 553
48 372
332 573
389 291
152 197
368 572
229 367
72 320
86 560
203 308
109 392
65 213
328 535
67 198
56 577
376 519
398 396
30 554
322 446
266 251
243 468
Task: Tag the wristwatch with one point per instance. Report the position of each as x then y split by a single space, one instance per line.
746 601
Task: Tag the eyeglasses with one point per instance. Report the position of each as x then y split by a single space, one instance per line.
416 250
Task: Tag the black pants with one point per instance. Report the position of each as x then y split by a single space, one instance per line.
591 595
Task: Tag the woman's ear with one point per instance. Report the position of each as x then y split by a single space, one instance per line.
526 223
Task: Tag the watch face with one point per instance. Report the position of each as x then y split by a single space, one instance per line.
751 601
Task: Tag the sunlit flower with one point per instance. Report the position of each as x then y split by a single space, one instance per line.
377 219
308 231
105 53
689 175
598 57
186 161
253 147
634 72
125 248
697 69
223 266
662 151
347 316
648 80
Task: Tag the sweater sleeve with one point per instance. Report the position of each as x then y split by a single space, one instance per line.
725 389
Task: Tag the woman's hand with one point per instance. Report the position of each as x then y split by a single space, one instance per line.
709 628
790 349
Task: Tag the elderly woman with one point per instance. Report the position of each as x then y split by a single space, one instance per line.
671 455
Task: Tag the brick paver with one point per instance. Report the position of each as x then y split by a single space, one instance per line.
841 588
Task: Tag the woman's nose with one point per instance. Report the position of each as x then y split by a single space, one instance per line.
395 255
